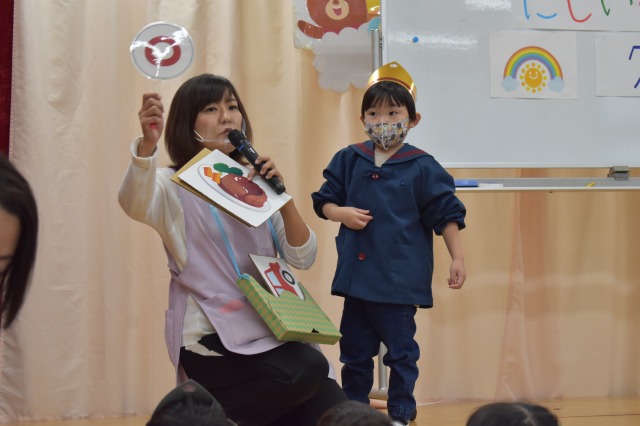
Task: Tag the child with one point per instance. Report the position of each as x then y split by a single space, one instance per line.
390 198
213 334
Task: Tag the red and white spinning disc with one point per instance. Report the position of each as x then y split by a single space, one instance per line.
162 50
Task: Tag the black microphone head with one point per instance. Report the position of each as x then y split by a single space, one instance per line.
236 137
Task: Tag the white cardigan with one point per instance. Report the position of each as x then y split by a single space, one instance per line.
148 195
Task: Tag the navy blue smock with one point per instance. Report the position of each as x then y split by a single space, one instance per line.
410 197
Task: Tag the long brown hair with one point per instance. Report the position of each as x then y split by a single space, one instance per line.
17 199
189 100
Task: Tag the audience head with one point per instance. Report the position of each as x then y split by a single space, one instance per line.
512 414
189 404
353 413
18 239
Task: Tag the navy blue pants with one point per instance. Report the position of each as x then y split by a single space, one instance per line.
363 326
287 385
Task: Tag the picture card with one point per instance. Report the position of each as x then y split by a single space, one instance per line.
222 181
277 275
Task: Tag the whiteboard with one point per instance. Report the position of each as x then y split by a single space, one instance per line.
444 44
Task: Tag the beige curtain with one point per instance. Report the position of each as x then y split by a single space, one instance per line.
550 308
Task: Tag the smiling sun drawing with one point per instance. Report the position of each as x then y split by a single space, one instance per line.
533 77
532 69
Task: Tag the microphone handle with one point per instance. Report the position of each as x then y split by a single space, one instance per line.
251 155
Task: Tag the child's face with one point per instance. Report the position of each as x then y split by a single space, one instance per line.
388 124
216 120
386 113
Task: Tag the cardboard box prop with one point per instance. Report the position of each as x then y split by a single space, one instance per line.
289 317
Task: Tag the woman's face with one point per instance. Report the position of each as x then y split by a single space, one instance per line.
216 120
9 232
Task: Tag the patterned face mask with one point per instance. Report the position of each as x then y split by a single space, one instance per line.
387 135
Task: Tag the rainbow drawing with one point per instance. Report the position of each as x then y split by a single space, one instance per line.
534 69
532 53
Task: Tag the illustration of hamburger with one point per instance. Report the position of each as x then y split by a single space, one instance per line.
231 181
243 189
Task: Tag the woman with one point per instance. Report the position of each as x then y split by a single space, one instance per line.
213 335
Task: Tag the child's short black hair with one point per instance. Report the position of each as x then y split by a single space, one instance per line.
512 413
354 413
189 404
388 92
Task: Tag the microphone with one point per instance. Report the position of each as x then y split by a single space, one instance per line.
240 142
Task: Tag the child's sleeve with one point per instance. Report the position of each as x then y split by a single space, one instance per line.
441 205
333 188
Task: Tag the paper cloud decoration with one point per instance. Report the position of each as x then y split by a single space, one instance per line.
339 34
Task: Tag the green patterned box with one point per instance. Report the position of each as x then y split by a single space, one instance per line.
289 317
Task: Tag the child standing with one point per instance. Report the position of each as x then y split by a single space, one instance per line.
214 336
390 197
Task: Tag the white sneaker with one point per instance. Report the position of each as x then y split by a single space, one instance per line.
398 423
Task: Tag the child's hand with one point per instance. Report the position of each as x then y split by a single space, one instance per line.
353 218
457 274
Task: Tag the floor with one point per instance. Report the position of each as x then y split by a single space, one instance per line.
571 412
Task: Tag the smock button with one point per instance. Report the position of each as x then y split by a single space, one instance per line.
375 176
362 256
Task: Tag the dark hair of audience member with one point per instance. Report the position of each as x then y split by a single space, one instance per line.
189 404
512 414
354 413
183 413
16 199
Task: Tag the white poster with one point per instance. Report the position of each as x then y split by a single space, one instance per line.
617 64
533 65
607 15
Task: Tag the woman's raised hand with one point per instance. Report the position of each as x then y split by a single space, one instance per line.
152 123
